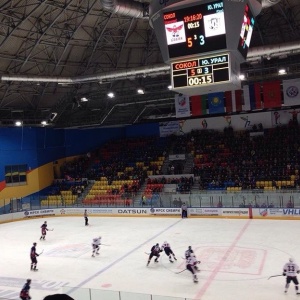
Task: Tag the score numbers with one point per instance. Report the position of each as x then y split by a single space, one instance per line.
200 71
196 29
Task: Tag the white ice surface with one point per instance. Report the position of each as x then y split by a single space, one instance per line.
237 257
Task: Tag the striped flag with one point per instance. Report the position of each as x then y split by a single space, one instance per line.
228 101
252 95
238 95
199 105
234 101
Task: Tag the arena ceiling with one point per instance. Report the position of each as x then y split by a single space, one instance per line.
53 53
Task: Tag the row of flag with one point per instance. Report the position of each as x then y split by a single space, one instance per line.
251 97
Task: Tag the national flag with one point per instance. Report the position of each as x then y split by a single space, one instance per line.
216 103
255 96
252 95
238 97
182 106
291 92
198 105
246 96
271 94
228 101
233 101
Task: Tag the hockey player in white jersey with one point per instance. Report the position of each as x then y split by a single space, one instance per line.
190 253
96 245
191 265
290 270
167 248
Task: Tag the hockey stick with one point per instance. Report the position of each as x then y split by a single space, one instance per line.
41 252
180 271
105 245
147 253
275 276
51 229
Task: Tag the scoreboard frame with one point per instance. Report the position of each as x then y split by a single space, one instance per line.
195 29
201 71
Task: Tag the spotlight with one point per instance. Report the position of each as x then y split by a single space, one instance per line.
140 91
18 123
110 95
281 71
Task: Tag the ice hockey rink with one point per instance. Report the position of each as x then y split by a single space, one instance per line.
238 256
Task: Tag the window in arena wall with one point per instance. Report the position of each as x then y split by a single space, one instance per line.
16 175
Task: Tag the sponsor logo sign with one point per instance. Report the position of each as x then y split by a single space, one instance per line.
165 211
39 212
275 211
235 212
291 211
263 212
101 211
204 211
132 211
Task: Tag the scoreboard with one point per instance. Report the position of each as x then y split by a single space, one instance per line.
196 29
204 74
204 41
202 71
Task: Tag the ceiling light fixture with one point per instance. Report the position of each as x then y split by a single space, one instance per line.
140 91
84 99
282 71
170 87
242 76
18 123
110 95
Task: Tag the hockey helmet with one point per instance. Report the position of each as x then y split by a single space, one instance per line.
34 244
190 248
157 244
291 260
45 222
28 280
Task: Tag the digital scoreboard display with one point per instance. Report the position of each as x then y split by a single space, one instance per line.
196 29
246 32
202 71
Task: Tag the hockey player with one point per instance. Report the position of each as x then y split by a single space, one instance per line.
155 250
290 270
190 253
33 256
167 248
96 245
44 230
24 294
191 265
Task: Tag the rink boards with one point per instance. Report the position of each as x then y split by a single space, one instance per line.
194 212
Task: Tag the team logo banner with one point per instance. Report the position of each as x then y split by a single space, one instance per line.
291 91
182 106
